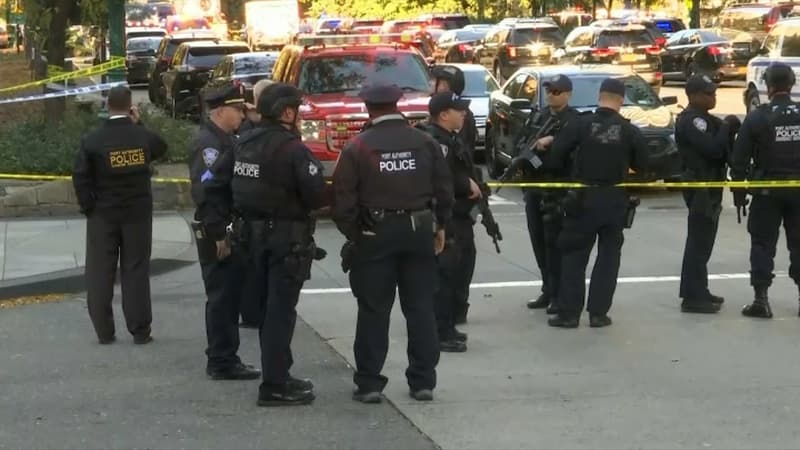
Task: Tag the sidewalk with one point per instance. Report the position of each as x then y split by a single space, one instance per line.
52 252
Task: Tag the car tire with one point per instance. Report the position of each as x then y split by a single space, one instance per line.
493 164
752 99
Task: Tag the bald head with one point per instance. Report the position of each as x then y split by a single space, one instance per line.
119 100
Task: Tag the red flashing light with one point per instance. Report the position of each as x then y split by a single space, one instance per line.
463 48
714 51
512 52
603 52
659 75
655 50
661 41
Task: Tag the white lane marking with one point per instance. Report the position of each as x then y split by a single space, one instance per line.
495 199
511 284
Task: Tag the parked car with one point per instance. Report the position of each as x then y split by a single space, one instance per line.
246 69
506 49
445 21
756 18
703 51
511 105
398 26
190 70
137 32
478 85
782 44
140 57
458 45
626 45
166 50
363 26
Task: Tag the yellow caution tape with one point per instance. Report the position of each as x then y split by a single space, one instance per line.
115 62
755 184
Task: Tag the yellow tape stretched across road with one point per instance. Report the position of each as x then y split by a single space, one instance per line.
114 63
756 184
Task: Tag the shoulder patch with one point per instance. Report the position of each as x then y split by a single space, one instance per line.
313 170
445 149
700 124
210 156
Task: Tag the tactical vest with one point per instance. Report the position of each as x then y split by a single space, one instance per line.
262 186
782 157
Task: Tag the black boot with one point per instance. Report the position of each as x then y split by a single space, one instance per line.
541 302
702 305
760 306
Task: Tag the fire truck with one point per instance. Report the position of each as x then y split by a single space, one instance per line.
331 70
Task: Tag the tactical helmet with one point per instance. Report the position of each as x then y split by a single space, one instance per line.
276 98
779 74
453 75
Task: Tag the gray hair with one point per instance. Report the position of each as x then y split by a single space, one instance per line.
259 88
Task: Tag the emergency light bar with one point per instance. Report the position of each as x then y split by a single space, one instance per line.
389 38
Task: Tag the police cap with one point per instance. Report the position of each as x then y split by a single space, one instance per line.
443 101
613 86
277 97
700 84
779 75
560 83
224 95
452 74
381 94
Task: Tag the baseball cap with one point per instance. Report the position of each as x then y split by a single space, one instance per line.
560 83
700 84
613 86
443 101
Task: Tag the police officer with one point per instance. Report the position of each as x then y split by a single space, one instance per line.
448 78
221 263
387 180
457 261
277 183
603 146
767 148
252 117
111 177
704 143
544 221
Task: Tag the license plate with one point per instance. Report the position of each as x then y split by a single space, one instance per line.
742 70
630 58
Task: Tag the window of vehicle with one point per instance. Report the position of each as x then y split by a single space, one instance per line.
209 56
468 35
339 73
478 83
138 45
791 42
446 37
450 23
580 37
177 60
149 33
744 19
529 89
623 38
771 41
512 87
494 37
525 36
585 91
253 64
221 69
710 36
678 38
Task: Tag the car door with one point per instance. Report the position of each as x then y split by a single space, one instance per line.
501 114
529 91
169 76
673 59
577 44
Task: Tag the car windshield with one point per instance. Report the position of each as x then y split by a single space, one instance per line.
210 56
470 35
259 64
339 73
478 83
624 38
525 36
450 23
139 12
744 19
709 36
637 92
137 45
155 33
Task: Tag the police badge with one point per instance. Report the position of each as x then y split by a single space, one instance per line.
445 149
313 170
700 124
210 155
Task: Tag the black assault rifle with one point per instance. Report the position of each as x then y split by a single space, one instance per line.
525 150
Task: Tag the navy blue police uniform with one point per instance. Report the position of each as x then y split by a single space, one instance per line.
603 146
456 264
392 189
277 184
111 177
222 278
768 148
704 143
541 205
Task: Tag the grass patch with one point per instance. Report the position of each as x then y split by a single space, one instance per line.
14 70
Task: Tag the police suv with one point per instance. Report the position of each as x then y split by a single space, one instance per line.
782 44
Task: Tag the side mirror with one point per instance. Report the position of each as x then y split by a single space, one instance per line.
521 103
762 51
671 100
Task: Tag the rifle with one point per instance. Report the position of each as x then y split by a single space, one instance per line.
525 151
487 218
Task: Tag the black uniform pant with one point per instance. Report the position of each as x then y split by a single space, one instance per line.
223 284
282 274
543 229
109 240
398 258
704 208
764 221
601 218
253 292
456 265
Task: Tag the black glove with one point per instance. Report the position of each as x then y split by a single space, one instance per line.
319 253
739 197
347 253
733 123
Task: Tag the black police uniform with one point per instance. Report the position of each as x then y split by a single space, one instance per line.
386 181
111 177
603 146
768 148
277 182
704 143
541 205
468 135
223 279
456 264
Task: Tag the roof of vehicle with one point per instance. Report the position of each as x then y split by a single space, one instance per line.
355 42
204 43
468 67
573 71
190 34
440 16
140 29
254 55
145 38
533 25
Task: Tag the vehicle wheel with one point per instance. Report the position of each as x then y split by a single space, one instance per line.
753 101
493 164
